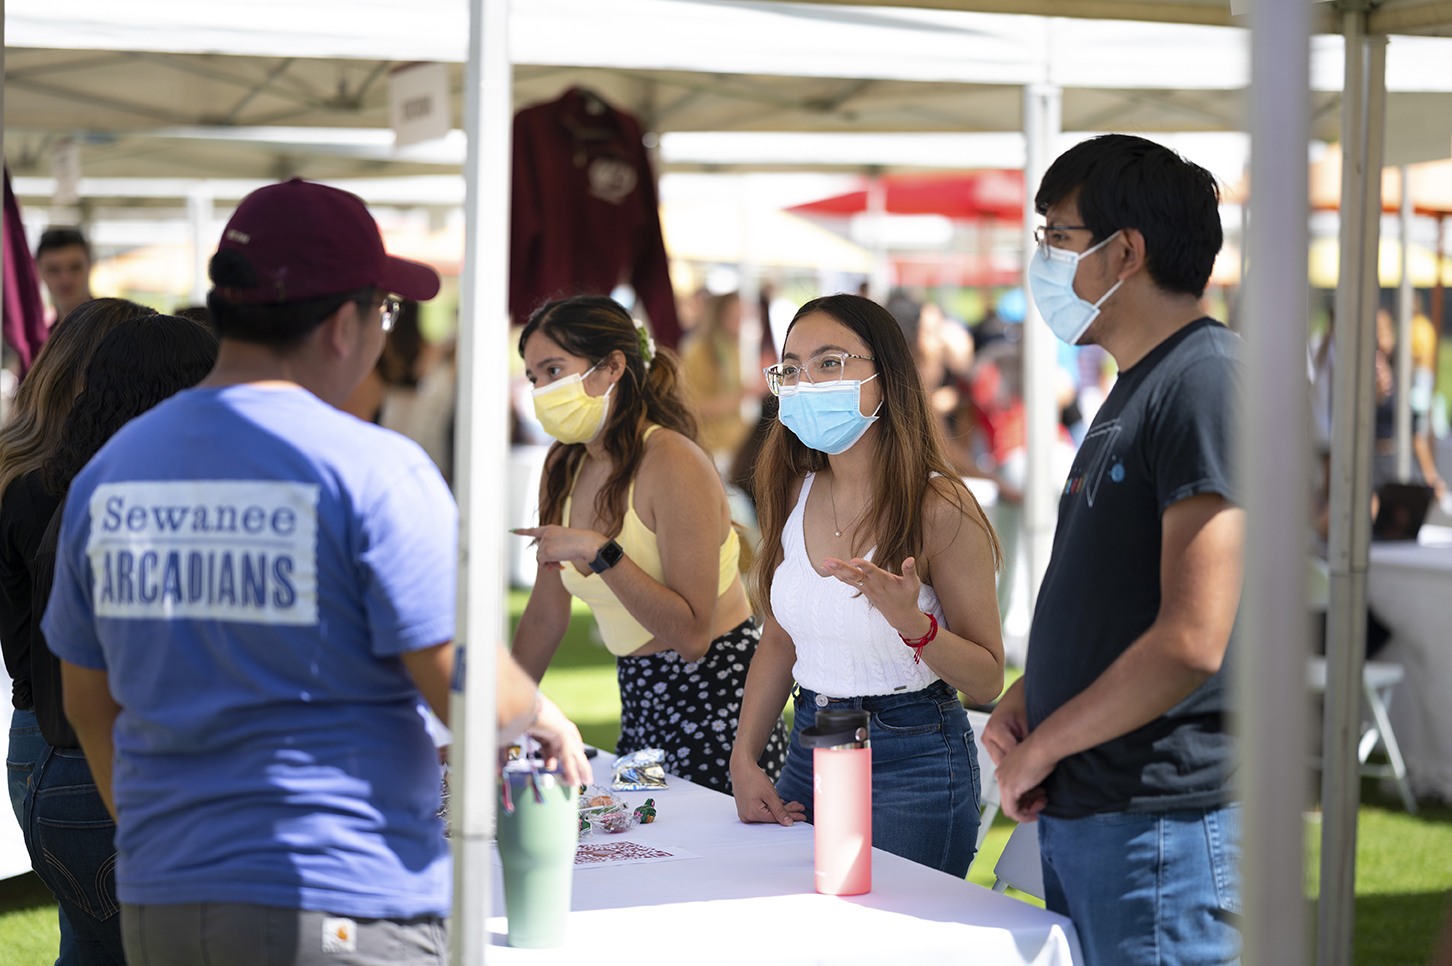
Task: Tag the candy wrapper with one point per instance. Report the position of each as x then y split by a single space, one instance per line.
617 822
602 811
605 812
640 771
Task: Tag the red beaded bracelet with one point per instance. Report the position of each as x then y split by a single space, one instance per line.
918 643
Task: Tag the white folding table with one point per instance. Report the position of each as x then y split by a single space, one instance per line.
1409 586
749 898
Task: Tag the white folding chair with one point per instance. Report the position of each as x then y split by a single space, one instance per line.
987 775
1378 679
1019 864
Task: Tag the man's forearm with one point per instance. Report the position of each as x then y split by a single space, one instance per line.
1200 580
97 744
92 713
517 696
1142 684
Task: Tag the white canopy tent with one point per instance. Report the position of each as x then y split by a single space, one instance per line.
1029 82
172 88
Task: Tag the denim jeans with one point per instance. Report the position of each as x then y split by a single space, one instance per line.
925 791
1147 888
71 840
26 745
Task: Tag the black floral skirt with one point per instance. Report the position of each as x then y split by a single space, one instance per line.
690 710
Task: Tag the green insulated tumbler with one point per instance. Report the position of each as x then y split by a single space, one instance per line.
538 829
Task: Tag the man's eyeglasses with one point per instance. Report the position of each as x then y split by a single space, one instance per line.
388 312
1052 236
820 370
387 309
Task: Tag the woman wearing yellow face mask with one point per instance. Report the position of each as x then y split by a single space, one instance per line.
634 522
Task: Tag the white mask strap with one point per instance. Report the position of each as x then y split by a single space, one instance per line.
1105 297
1094 248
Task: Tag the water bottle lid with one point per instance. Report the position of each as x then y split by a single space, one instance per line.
836 727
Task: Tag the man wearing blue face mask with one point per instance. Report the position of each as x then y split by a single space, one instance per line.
1114 740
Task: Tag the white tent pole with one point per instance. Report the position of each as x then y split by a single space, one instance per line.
1042 117
199 218
1362 118
1274 449
481 449
1404 334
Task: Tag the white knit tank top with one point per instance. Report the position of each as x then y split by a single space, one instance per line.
845 648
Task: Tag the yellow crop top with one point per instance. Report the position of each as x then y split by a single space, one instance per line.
621 632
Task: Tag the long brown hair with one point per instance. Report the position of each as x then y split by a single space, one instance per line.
33 433
909 459
650 391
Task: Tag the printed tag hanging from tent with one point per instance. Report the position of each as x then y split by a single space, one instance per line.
418 103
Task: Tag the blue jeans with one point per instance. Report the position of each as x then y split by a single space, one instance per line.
925 791
71 840
26 745
1147 888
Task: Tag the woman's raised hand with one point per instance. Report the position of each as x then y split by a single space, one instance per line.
557 546
896 598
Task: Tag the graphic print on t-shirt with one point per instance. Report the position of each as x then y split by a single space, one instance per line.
1094 453
227 550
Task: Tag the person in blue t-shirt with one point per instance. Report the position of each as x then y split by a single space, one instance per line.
253 603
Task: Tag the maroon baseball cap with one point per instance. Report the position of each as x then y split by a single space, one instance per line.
307 240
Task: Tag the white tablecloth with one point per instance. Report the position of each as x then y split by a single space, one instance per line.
1410 588
749 899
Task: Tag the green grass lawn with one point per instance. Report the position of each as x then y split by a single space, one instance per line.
1403 871
29 935
1403 879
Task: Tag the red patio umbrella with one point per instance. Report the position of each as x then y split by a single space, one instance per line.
966 196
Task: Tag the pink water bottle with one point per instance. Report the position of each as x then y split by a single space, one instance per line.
842 801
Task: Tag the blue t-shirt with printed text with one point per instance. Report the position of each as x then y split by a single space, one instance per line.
247 564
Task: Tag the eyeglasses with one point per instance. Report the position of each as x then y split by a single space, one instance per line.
820 370
389 313
387 309
1044 233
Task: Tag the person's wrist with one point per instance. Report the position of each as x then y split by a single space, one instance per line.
539 704
740 759
607 555
914 627
1037 746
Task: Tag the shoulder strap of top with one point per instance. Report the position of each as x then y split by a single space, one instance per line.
630 493
570 494
795 537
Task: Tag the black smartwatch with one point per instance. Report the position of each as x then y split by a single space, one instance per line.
608 557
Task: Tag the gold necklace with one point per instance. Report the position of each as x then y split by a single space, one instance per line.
832 495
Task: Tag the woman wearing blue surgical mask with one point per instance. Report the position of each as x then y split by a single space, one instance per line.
877 577
634 522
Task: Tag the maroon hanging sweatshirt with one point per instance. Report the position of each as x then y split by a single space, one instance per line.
24 313
584 216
